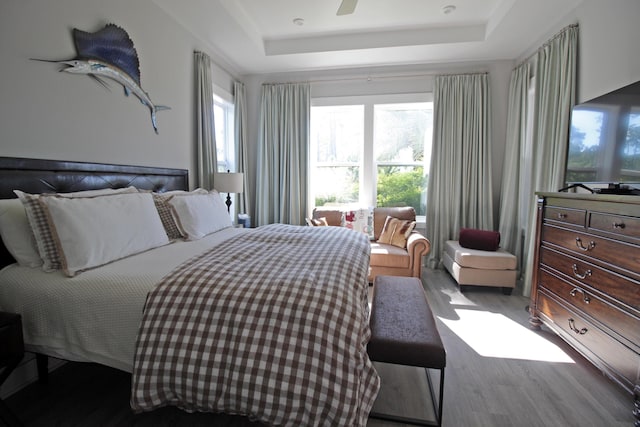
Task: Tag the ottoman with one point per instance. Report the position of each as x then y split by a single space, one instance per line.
474 267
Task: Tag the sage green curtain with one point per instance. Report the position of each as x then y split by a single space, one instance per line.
205 130
283 161
240 139
555 75
459 190
514 209
554 68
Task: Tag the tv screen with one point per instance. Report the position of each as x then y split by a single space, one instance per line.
604 139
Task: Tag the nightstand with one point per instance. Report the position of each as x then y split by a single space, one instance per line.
11 353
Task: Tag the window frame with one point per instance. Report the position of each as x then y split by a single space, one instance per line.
368 176
224 100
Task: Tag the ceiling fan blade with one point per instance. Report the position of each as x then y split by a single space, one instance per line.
347 7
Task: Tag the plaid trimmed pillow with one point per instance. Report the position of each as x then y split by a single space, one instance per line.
78 223
39 222
38 218
163 207
164 210
396 232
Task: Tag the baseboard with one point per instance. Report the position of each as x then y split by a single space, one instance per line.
26 373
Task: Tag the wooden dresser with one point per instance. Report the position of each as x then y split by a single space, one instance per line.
586 283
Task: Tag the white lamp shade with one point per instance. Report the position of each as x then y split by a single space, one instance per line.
229 182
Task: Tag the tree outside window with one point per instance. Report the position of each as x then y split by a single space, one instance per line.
402 145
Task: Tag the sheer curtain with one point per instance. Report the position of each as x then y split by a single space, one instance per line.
555 80
283 161
240 134
459 190
206 136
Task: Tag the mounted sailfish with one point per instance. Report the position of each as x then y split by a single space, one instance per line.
109 53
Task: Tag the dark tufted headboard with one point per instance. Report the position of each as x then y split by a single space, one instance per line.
53 176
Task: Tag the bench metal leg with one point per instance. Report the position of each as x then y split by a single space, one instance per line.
437 409
42 362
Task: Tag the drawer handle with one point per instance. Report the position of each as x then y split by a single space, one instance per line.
580 246
619 225
585 297
576 330
586 274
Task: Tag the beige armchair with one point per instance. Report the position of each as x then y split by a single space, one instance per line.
332 215
391 260
387 259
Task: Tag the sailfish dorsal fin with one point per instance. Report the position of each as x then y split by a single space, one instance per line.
111 45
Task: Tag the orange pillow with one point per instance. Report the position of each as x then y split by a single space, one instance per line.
396 231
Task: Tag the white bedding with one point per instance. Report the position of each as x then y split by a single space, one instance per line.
95 315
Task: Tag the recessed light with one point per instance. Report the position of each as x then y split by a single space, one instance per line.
299 22
448 9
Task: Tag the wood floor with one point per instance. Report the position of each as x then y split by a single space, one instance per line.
499 373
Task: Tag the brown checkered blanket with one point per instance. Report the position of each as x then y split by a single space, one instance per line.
272 325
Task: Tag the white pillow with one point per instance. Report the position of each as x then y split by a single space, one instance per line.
39 221
17 235
164 210
94 231
183 192
96 193
197 215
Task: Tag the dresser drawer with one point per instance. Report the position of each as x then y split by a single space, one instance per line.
619 225
611 355
595 248
565 215
616 286
622 323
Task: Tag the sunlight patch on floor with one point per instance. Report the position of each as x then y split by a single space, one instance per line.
458 298
495 335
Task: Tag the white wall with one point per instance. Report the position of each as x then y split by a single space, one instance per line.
608 53
392 80
52 115
46 114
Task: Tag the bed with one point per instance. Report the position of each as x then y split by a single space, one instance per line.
270 323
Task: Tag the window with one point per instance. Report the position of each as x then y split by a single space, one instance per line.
337 141
401 155
223 116
224 128
371 151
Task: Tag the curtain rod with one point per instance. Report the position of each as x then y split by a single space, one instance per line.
212 63
547 43
370 78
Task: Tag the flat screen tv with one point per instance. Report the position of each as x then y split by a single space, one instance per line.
604 140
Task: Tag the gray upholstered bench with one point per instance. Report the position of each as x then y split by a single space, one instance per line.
404 332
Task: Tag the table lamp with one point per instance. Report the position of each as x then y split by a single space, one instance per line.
229 183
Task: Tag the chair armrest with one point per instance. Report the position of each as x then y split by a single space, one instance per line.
417 246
